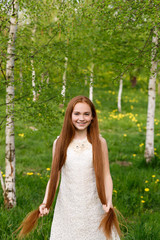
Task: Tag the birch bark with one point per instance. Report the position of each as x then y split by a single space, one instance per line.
33 70
63 92
91 83
9 193
149 146
120 94
158 88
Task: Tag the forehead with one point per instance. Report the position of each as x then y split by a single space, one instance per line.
82 107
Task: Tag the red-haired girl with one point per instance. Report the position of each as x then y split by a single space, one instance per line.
84 207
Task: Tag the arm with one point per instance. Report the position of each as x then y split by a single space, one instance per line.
107 176
42 208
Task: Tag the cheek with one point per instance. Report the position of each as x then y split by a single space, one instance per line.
74 118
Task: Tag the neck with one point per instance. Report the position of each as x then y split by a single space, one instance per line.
80 134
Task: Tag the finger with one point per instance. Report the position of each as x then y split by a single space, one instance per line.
106 208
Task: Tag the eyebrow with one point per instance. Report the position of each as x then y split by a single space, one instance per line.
80 112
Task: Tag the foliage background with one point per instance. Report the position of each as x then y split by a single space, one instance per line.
116 37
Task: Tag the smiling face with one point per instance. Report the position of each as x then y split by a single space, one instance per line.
81 116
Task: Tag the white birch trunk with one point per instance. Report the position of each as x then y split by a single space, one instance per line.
149 146
91 83
85 80
33 80
63 92
33 70
120 94
9 193
21 78
2 182
158 88
47 80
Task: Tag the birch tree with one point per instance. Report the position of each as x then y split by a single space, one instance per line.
149 145
9 191
63 92
120 94
33 70
91 83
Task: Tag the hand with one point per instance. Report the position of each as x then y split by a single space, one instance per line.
107 207
43 210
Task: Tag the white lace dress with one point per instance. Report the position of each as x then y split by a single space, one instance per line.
78 209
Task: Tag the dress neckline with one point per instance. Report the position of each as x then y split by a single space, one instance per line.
80 140
80 144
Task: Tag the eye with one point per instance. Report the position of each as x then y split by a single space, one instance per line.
76 113
87 114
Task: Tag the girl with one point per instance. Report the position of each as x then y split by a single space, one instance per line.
84 203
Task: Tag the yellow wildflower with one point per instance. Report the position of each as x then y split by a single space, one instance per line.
48 169
100 120
29 173
3 175
98 111
125 135
141 145
146 189
146 181
141 196
21 135
142 201
39 114
97 101
28 99
153 176
131 106
134 155
115 191
38 174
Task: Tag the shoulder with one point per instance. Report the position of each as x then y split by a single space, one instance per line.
54 143
103 143
102 140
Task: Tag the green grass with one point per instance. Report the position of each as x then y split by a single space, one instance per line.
125 135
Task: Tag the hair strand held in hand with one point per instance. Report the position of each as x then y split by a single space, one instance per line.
28 224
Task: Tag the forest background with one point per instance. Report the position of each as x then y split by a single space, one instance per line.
68 48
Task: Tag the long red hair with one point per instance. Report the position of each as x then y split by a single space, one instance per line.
109 219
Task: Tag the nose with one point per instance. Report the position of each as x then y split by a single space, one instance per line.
81 117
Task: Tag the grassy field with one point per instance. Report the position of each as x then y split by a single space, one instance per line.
136 185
